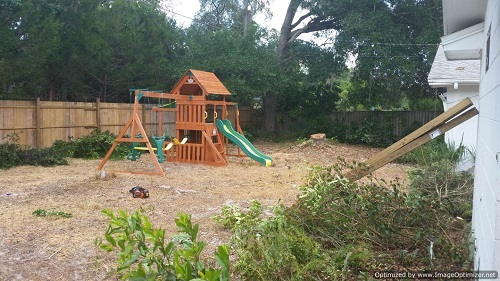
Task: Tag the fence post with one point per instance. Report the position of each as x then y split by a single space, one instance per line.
98 113
38 122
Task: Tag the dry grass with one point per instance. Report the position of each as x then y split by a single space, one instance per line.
56 248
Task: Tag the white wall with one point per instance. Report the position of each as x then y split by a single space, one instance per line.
465 133
486 203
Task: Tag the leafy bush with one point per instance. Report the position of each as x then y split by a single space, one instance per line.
436 176
144 254
434 151
372 132
272 248
64 148
96 145
93 146
8 155
343 230
45 157
12 154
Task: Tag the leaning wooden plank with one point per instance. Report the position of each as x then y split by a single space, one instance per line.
363 170
426 128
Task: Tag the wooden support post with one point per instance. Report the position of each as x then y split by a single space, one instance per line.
98 113
143 107
160 123
443 123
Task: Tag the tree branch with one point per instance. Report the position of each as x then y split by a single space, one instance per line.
313 26
294 25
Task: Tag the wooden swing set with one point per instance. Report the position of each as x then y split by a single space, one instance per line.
196 93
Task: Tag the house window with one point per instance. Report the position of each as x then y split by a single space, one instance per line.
487 58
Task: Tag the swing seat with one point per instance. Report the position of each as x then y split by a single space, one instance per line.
177 142
169 146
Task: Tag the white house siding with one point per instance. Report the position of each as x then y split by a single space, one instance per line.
461 79
465 133
486 213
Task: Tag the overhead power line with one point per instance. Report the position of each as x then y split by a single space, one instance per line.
406 44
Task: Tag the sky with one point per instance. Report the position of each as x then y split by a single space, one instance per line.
184 10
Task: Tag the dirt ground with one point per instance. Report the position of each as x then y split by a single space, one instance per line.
57 248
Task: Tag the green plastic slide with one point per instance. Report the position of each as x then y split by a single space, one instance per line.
227 129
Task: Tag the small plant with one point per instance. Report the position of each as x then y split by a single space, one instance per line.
45 213
144 253
301 140
232 216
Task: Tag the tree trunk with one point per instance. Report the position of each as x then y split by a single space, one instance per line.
270 99
269 107
246 19
286 30
51 90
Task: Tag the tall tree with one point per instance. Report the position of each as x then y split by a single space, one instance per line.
313 21
371 18
394 43
233 14
246 65
78 50
137 47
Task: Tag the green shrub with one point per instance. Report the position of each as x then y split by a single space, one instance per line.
144 254
96 145
436 176
8 155
339 230
45 157
453 190
372 132
64 148
272 248
434 151
93 146
8 151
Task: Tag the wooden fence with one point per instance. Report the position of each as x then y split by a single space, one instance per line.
403 122
40 123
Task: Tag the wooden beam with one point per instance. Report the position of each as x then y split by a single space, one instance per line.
361 171
429 126
135 123
217 156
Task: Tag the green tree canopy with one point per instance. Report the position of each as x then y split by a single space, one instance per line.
394 43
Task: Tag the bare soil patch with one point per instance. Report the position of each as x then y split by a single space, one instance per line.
56 248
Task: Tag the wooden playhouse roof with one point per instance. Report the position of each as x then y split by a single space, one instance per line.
207 81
